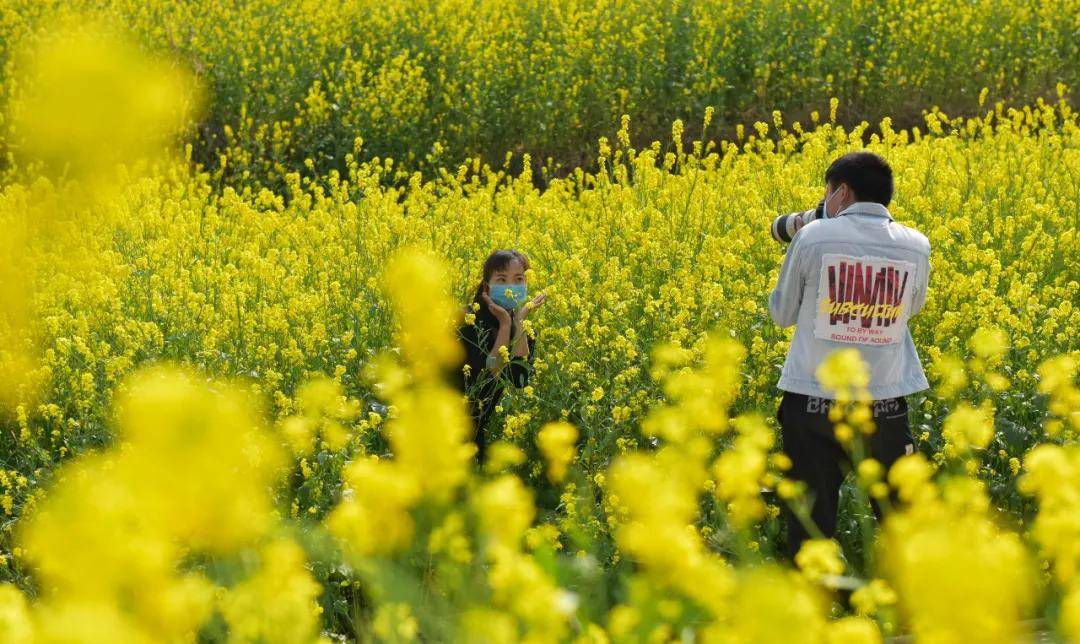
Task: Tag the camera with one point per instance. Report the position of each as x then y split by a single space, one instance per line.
784 227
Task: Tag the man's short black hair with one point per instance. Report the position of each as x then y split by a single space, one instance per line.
867 174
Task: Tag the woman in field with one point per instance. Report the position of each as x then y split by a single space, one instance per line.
497 349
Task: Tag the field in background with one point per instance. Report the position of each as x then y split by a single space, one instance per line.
301 468
290 85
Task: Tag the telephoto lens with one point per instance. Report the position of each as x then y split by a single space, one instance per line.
784 227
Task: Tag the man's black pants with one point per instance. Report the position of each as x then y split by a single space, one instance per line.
819 460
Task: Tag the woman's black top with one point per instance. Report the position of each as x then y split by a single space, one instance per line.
484 388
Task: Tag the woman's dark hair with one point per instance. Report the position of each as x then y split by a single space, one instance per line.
497 261
868 175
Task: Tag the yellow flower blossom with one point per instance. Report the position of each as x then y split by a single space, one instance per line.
818 558
556 441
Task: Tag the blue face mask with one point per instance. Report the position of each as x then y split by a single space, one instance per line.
517 296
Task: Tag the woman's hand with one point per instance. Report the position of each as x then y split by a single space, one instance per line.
501 314
532 304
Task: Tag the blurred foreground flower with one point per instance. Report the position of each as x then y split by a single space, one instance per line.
112 544
83 100
90 99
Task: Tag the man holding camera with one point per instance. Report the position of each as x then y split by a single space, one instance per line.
852 277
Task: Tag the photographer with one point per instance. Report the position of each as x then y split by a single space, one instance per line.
852 277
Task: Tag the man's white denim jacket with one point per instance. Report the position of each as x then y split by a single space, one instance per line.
853 280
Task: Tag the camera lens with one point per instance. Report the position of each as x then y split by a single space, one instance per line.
783 227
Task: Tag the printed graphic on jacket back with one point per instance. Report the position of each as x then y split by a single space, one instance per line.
864 300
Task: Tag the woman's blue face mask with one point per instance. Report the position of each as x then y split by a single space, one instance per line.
509 296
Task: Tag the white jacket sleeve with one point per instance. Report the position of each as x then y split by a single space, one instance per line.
923 285
786 298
